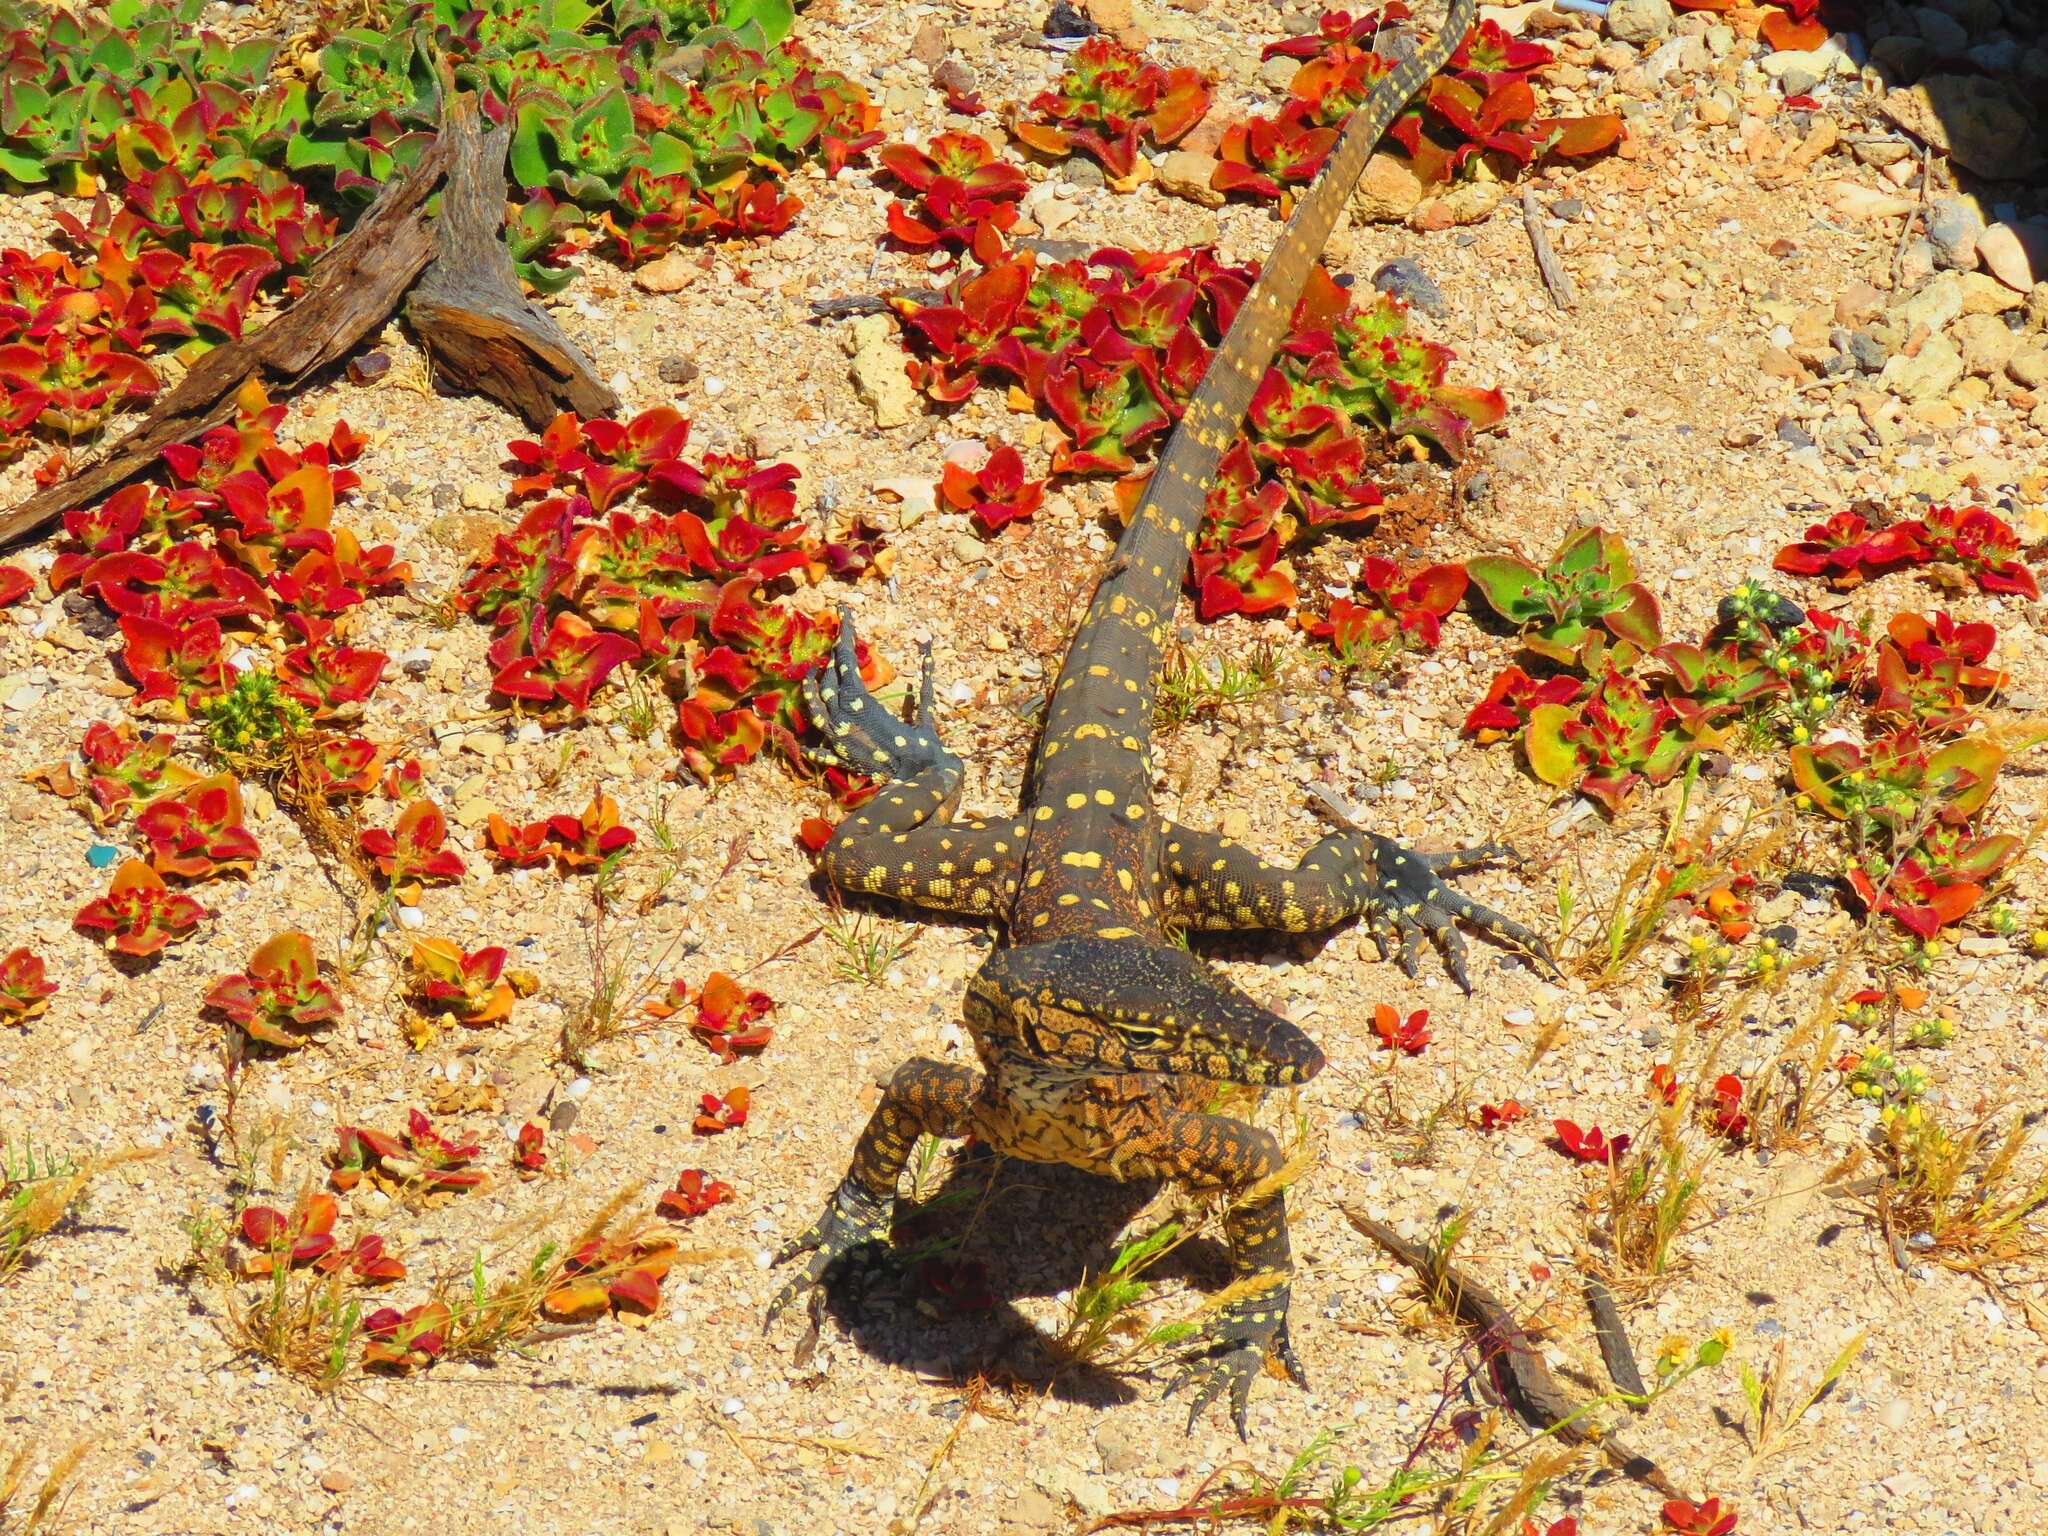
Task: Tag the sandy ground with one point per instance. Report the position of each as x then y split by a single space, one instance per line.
1653 409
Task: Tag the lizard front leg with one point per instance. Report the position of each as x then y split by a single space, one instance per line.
899 844
923 1098
1215 883
894 847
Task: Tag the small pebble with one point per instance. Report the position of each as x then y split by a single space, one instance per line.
1403 278
1067 20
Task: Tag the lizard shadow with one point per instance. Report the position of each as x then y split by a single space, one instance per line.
946 1302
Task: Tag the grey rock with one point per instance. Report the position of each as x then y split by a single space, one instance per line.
1065 20
1867 352
1901 59
1793 434
1799 79
1944 34
1979 17
1999 56
1639 21
1404 279
1277 74
1953 226
1568 208
1080 171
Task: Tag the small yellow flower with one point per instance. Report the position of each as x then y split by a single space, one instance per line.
1672 1353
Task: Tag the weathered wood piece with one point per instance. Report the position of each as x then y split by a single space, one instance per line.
467 309
1555 278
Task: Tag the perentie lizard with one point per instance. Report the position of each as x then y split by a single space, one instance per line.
1097 1035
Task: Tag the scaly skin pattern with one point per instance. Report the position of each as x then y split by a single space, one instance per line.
1097 1035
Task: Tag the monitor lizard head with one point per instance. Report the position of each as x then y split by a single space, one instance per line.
1093 1005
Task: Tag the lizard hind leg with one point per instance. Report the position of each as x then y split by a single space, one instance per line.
858 730
1249 1320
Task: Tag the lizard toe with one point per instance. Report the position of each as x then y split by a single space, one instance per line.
854 1220
1409 899
1230 1353
858 731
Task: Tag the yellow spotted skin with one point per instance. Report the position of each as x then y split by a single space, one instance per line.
1096 1034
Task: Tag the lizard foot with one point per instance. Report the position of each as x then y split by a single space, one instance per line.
1231 1351
858 730
1408 899
854 1219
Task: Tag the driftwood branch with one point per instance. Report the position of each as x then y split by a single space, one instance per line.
352 291
467 309
1555 278
1515 1365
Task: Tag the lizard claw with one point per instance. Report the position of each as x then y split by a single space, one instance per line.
853 1220
1231 1352
857 730
1409 902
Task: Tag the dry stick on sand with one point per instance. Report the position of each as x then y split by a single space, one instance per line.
1555 278
1513 1362
1913 219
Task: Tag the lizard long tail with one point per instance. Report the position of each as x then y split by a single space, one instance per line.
1125 626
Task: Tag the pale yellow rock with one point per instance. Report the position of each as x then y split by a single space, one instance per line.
1855 201
1387 193
1984 294
1466 203
2029 367
1986 344
2015 254
1183 173
1927 375
878 376
668 274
